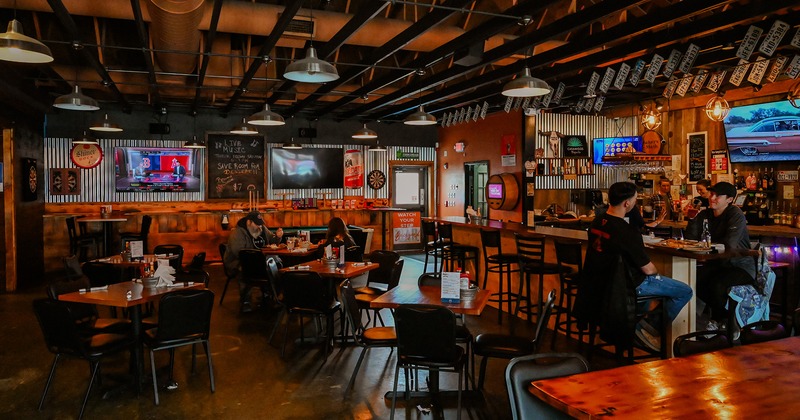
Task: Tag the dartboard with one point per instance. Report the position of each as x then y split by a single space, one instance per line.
33 179
376 179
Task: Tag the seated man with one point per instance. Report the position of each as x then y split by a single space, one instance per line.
611 237
178 171
727 225
250 233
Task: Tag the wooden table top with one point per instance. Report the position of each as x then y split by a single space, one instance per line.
281 250
116 294
98 218
702 256
350 269
147 258
752 381
430 295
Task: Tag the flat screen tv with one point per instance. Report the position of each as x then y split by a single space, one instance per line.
610 146
307 168
495 191
763 133
156 169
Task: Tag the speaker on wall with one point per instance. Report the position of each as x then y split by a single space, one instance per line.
159 128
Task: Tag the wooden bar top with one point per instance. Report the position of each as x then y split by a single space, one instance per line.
750 381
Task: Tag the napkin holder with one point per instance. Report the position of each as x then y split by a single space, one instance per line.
331 262
150 282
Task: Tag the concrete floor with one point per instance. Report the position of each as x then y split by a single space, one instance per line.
252 381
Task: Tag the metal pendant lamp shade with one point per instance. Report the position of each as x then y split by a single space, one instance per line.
365 133
194 144
243 129
420 118
377 149
266 117
106 126
311 69
18 48
526 85
76 101
85 138
717 108
291 145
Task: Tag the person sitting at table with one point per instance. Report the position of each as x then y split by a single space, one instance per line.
611 237
727 225
701 201
178 170
140 171
338 234
250 233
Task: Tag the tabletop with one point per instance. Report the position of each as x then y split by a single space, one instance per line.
116 294
146 258
350 269
750 381
430 295
99 218
281 250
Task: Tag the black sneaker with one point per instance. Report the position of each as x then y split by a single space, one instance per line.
246 308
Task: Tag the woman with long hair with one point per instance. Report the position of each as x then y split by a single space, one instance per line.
338 234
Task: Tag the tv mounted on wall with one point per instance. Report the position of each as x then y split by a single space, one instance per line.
307 168
495 190
763 133
156 169
611 146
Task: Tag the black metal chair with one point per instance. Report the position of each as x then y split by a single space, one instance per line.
171 250
456 255
229 273
85 315
503 264
354 254
569 257
184 319
521 371
103 274
426 339
763 331
141 235
305 293
381 275
194 276
197 262
273 272
72 267
531 251
433 246
80 243
700 342
63 338
253 264
366 338
504 346
363 300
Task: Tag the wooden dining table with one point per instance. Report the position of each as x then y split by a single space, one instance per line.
409 294
750 381
130 295
325 270
105 222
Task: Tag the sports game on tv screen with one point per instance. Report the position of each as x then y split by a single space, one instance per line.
156 169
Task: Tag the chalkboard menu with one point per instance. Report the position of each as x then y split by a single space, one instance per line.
235 166
696 156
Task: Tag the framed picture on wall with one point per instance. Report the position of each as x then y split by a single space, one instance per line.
65 181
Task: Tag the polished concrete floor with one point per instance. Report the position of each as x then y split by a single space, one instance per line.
252 380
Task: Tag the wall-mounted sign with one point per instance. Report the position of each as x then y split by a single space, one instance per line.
575 146
86 156
401 154
787 176
696 151
406 227
65 181
719 161
353 169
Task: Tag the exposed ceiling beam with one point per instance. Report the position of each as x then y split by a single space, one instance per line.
212 34
148 58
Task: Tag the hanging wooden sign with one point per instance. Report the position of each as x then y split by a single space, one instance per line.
688 58
672 63
655 67
773 37
622 75
748 44
636 73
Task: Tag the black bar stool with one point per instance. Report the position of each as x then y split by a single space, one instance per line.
530 249
569 257
453 252
497 262
433 246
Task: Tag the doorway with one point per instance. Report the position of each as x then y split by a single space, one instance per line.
410 191
475 176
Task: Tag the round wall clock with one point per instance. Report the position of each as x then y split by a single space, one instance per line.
376 179
86 156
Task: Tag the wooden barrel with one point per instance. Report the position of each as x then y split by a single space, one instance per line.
502 191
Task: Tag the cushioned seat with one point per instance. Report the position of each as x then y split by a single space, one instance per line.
700 342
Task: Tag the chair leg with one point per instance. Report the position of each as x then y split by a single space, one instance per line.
207 347
277 323
172 364
355 371
394 389
483 372
95 368
460 376
194 360
49 380
224 290
155 378
285 333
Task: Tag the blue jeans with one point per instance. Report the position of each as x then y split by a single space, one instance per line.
678 293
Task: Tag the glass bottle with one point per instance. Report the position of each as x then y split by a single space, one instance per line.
764 180
787 217
751 182
705 237
771 184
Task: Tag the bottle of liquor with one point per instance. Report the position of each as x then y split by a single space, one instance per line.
764 180
751 182
771 184
705 237
736 181
776 214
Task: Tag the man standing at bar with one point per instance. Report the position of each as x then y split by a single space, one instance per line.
610 237
727 225
662 199
250 233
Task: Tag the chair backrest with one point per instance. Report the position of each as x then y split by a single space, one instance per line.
146 222
359 237
429 230
81 312
102 274
253 264
700 342
521 371
184 314
796 321
425 332
194 275
58 327
348 297
445 232
354 253
71 231
568 253
544 319
490 238
430 279
305 290
397 272
72 267
197 261
385 261
273 274
171 249
761 331
530 248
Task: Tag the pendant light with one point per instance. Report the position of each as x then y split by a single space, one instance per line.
85 138
291 145
18 48
717 108
76 101
311 69
266 117
525 85
105 126
243 129
365 133
377 148
651 118
194 143
420 117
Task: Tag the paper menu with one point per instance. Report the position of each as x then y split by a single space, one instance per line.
137 249
451 287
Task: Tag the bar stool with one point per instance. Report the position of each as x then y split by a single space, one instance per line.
453 252
530 249
433 246
569 257
499 263
781 274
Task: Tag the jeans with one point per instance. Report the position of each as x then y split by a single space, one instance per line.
678 293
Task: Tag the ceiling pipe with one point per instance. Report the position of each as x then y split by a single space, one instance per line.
174 25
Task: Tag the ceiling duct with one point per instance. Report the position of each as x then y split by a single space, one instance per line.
300 27
174 26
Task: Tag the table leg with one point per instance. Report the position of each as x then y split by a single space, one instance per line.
383 229
137 353
106 239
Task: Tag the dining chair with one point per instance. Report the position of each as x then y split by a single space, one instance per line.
364 299
762 331
86 317
103 273
72 267
569 257
531 251
62 337
426 339
364 337
505 346
184 319
81 242
377 278
171 249
193 276
229 273
141 235
197 262
253 265
523 370
429 279
305 293
503 264
700 342
433 245
354 254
